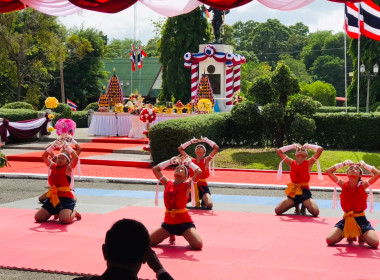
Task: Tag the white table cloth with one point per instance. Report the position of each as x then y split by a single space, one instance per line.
110 124
124 124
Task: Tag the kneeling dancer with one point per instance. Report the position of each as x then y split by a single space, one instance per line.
60 199
353 200
298 190
177 220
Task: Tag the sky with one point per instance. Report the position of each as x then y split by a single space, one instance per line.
320 15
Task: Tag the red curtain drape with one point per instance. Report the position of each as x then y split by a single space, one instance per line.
225 4
104 6
10 5
21 133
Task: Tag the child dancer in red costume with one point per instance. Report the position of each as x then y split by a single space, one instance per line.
60 197
177 220
353 200
298 190
202 191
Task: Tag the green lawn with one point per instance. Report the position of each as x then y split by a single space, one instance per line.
267 158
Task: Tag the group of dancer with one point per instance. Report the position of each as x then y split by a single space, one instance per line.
190 177
353 197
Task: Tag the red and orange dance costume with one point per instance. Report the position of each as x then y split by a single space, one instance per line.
353 202
202 179
59 184
300 177
175 201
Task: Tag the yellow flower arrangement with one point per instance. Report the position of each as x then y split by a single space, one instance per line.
119 108
51 102
204 105
50 129
51 116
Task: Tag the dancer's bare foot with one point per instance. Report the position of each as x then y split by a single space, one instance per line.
297 210
172 239
361 240
303 210
77 215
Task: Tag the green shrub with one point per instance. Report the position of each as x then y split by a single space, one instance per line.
348 131
18 105
303 105
16 115
94 106
165 137
246 127
80 118
374 107
63 110
302 129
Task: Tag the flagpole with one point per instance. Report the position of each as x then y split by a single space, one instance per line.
134 34
357 97
345 70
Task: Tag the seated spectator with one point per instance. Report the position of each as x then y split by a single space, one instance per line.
126 248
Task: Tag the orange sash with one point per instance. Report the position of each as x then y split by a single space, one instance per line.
174 212
196 191
351 228
294 189
53 193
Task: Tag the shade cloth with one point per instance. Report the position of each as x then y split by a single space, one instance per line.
168 8
23 129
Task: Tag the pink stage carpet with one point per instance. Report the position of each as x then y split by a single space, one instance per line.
237 245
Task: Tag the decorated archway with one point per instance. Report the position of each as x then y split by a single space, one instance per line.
232 63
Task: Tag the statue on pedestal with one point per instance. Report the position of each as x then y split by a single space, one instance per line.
217 21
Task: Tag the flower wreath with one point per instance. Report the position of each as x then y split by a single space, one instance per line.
148 115
65 127
51 102
204 105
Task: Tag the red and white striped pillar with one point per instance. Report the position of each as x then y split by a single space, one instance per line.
229 87
237 79
194 81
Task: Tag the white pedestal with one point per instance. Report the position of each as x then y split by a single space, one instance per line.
138 127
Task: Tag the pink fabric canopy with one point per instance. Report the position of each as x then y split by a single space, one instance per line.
167 8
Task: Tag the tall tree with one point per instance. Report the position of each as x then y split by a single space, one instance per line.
180 35
270 39
83 68
27 46
286 84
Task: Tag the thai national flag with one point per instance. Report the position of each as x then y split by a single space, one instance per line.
72 105
370 20
133 58
140 57
351 25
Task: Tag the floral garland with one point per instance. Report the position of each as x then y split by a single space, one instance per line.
148 115
51 102
204 105
65 126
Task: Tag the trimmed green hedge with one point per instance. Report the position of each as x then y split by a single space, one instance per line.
165 137
348 131
16 115
80 118
331 109
18 105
